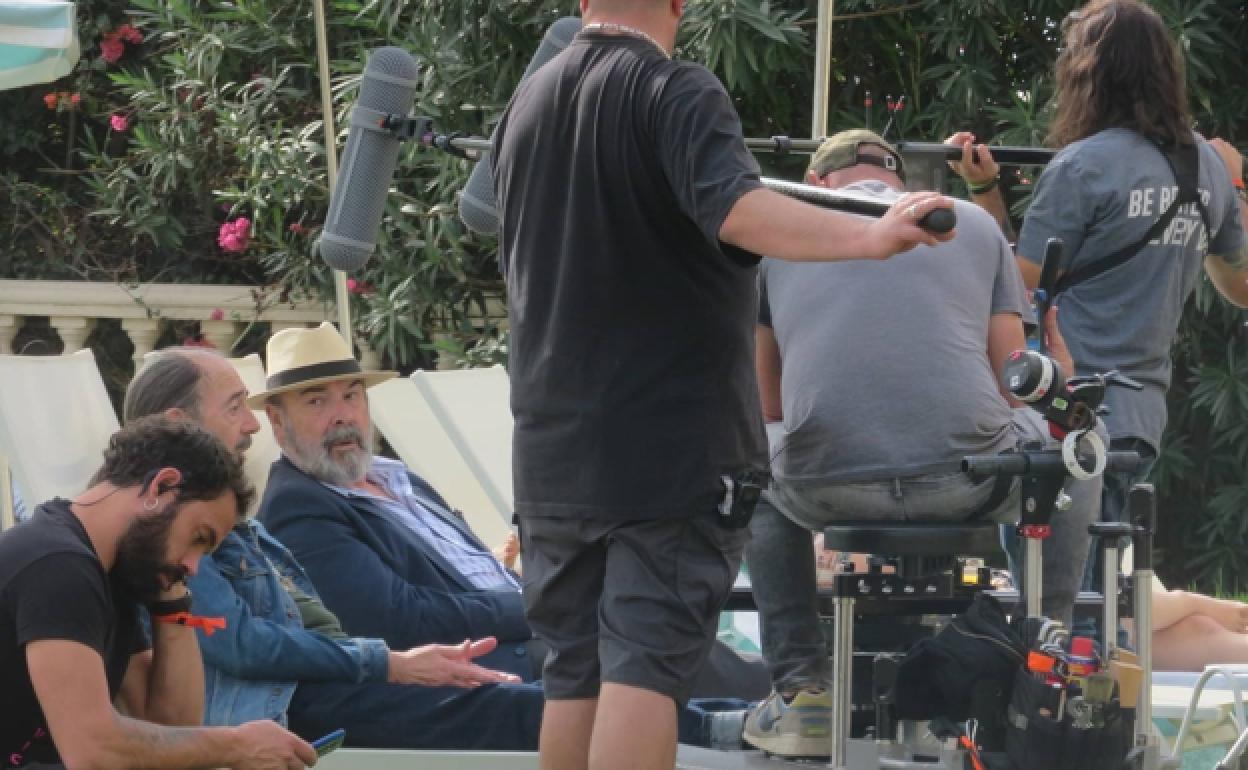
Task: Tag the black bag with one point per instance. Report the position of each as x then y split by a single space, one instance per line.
1036 739
963 672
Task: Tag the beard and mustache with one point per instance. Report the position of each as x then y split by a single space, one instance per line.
320 461
140 569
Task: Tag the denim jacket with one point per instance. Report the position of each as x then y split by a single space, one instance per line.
252 666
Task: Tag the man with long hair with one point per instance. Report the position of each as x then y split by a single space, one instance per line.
1127 152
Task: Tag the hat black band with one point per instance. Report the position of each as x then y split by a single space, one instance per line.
886 162
312 372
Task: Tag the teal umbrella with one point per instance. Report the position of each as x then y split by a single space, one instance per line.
38 41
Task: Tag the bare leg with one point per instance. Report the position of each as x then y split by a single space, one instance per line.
1169 607
634 729
1231 614
1195 642
566 729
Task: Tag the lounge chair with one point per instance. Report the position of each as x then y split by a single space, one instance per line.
55 421
264 450
453 429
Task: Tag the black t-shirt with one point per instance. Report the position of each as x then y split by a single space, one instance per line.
52 586
632 325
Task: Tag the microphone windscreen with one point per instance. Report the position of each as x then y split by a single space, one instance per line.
358 199
478 208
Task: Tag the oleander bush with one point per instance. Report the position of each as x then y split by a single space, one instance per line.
188 146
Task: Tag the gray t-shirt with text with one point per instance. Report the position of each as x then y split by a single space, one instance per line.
885 365
1099 195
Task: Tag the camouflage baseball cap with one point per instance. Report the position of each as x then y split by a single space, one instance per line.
841 151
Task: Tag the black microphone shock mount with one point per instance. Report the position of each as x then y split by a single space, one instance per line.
405 128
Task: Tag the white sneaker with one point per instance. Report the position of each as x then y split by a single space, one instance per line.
800 728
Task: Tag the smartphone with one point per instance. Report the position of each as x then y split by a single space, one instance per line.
328 743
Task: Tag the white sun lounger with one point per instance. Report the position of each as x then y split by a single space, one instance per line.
55 422
264 450
453 429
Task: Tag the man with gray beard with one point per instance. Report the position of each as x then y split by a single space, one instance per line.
386 553
384 550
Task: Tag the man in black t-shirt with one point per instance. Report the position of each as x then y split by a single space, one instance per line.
80 682
631 214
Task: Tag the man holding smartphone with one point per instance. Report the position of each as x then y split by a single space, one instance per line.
82 684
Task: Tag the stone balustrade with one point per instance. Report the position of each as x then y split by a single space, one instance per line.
224 313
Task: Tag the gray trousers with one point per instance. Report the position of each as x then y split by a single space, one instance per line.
781 558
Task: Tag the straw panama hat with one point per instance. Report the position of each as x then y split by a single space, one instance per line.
300 358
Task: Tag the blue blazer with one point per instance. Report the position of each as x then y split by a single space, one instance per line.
384 581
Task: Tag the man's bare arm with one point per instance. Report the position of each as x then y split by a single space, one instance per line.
175 677
1005 335
765 222
1030 271
69 681
978 168
1230 276
1229 272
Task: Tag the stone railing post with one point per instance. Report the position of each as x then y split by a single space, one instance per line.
221 334
73 331
143 333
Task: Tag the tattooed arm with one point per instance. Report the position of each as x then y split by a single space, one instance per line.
70 683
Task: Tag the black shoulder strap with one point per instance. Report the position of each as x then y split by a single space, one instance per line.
1184 162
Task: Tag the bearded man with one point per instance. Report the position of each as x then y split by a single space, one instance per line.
82 683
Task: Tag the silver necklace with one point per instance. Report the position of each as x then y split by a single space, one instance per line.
612 28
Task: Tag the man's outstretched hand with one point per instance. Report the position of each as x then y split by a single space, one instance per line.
1055 343
447 665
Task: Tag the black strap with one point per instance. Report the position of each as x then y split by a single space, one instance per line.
1184 162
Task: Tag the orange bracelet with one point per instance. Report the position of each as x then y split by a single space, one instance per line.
208 625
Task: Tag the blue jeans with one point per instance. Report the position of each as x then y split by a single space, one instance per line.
782 560
397 716
488 718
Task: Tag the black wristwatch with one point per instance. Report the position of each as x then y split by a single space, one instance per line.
171 606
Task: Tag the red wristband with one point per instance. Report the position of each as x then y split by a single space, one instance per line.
208 625
1239 183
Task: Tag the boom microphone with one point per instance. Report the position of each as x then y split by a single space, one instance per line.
477 206
359 196
936 220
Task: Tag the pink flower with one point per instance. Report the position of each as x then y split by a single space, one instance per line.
233 235
119 122
51 100
130 34
74 99
111 48
297 228
217 314
353 286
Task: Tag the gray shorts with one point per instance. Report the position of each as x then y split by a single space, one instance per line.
626 602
